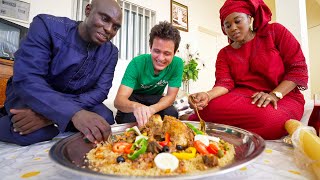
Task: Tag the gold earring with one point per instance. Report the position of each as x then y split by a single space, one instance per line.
251 24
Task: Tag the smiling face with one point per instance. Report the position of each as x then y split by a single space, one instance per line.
103 20
237 27
162 52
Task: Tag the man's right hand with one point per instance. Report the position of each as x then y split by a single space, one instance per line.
93 126
142 114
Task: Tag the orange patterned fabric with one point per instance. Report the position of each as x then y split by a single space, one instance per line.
3 85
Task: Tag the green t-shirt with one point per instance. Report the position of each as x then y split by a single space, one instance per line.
140 75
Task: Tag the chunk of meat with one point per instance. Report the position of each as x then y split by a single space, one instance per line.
179 133
154 126
154 147
210 160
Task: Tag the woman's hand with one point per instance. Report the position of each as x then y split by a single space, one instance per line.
262 99
200 100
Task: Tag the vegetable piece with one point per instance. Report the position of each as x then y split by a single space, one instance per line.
86 140
201 148
225 147
166 161
127 149
141 136
215 139
165 149
145 134
220 153
189 153
194 129
120 159
166 140
179 147
203 138
212 149
120 146
138 148
135 129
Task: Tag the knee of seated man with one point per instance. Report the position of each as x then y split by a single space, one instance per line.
171 111
8 135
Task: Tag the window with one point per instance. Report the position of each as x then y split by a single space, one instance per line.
133 37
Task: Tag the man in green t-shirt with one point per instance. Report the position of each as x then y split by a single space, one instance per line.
140 94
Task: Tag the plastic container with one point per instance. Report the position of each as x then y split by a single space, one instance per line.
306 145
314 120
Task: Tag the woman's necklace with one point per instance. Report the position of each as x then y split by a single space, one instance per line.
238 44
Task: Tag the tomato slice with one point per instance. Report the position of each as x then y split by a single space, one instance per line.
213 149
128 149
119 147
201 148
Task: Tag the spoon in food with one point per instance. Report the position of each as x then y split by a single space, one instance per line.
202 122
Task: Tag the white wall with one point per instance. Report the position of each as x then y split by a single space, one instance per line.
205 36
314 39
55 7
313 12
292 14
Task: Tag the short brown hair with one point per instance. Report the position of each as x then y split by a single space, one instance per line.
165 30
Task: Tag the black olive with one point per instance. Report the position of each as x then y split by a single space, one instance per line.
165 149
120 159
179 147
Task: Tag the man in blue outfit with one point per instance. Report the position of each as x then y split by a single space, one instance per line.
63 72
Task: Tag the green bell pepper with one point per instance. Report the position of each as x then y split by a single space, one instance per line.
138 148
135 129
194 129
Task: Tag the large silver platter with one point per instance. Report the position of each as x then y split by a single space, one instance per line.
69 153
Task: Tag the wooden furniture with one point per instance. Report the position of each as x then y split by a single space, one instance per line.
6 71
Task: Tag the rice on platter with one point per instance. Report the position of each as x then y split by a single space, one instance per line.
168 147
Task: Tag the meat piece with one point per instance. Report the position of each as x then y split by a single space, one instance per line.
130 136
210 160
154 126
179 133
154 147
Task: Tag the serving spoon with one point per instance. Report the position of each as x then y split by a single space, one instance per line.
202 122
